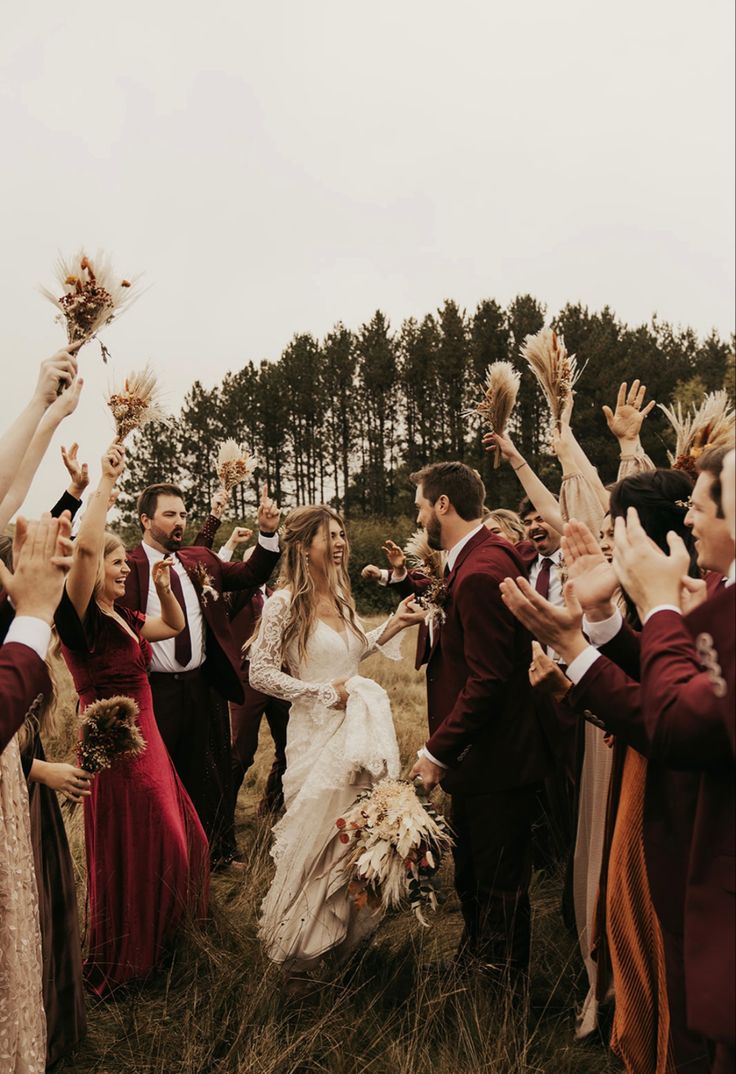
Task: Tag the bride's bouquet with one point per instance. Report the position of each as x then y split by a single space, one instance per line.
398 839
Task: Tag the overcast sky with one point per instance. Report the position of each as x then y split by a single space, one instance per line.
274 167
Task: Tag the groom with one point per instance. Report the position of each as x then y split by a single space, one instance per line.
485 746
194 675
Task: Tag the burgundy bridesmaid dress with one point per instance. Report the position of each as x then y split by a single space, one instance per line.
147 853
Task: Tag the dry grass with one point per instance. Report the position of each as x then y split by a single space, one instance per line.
220 1007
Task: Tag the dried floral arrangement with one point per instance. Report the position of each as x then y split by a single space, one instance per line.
500 390
138 404
203 582
556 371
710 425
235 464
398 841
108 731
92 296
421 557
425 560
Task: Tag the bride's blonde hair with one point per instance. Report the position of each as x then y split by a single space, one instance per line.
302 525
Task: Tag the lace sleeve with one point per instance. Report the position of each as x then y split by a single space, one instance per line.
391 650
265 660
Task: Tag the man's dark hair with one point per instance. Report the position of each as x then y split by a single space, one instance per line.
526 507
711 462
148 499
461 484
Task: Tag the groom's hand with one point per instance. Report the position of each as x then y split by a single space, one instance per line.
429 773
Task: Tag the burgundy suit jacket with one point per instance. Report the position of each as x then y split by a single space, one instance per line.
482 719
24 679
692 725
222 663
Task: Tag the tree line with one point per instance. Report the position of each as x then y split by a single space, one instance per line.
346 419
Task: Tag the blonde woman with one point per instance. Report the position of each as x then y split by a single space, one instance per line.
341 737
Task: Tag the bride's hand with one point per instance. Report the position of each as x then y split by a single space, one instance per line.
409 613
343 695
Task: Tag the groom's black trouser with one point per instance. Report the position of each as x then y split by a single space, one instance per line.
493 865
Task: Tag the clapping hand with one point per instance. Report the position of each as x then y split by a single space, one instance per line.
594 577
268 514
626 421
395 556
560 628
546 676
78 472
161 574
42 554
648 575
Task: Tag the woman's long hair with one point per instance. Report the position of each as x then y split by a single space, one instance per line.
111 542
302 525
661 498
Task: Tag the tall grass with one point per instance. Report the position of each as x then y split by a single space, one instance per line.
219 1007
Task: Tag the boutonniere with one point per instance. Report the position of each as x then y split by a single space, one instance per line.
204 583
434 600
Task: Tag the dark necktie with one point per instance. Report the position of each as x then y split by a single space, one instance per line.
542 583
183 641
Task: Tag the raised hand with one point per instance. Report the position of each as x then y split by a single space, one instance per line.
219 503
626 421
66 403
239 536
78 472
113 461
56 374
648 575
394 555
560 628
594 577
268 513
42 558
505 445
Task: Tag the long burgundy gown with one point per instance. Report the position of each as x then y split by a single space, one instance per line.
147 853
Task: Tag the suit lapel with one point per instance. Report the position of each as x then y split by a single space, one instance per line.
480 538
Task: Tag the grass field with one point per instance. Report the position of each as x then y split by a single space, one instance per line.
220 1007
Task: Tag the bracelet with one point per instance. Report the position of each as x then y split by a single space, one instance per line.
515 468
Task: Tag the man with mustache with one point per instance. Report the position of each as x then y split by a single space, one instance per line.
194 675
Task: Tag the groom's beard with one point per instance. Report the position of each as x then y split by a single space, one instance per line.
434 534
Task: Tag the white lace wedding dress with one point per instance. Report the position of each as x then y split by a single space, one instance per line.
332 756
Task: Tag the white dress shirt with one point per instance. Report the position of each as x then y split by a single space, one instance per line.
555 576
30 631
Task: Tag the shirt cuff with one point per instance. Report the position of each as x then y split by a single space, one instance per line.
661 608
30 631
424 752
270 542
397 576
383 578
601 633
225 554
583 662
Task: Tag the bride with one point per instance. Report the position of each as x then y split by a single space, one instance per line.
341 738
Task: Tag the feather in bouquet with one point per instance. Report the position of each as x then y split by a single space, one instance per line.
424 559
108 731
556 371
710 425
499 398
398 840
137 404
92 296
234 465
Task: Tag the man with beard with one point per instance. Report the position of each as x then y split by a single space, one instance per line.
545 574
194 675
485 745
